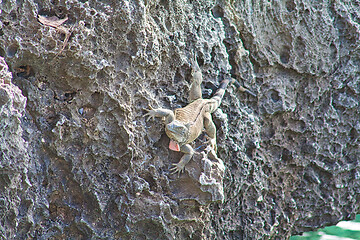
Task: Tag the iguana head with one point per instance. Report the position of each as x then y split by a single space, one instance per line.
178 131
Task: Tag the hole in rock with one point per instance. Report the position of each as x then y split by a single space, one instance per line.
217 12
13 15
274 95
290 6
24 71
250 146
12 50
200 61
2 52
285 55
87 112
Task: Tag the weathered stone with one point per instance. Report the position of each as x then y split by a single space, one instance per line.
78 160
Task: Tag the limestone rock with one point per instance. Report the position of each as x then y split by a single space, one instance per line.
79 161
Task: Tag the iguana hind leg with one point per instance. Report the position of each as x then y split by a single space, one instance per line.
179 167
210 129
195 87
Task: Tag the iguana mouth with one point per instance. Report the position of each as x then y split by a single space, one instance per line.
173 145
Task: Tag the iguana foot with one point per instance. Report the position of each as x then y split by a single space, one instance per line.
212 143
178 168
151 113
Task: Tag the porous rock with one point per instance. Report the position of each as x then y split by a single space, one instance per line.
79 161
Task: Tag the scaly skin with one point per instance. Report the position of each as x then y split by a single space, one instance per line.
184 125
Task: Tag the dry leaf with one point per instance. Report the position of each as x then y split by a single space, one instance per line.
52 21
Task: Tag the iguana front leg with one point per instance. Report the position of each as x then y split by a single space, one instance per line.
179 167
160 112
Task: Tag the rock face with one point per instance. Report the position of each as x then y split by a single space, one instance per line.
79 161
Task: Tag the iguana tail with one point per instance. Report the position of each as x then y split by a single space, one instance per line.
219 94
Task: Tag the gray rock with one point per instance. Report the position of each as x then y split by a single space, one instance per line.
79 161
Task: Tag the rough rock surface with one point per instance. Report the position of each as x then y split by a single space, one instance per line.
79 161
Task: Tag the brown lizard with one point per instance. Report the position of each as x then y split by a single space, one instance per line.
184 125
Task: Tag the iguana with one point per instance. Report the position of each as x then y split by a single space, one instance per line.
184 125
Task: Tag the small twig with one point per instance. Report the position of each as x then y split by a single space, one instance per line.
56 23
67 36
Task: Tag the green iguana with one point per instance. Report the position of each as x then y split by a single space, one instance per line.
184 125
